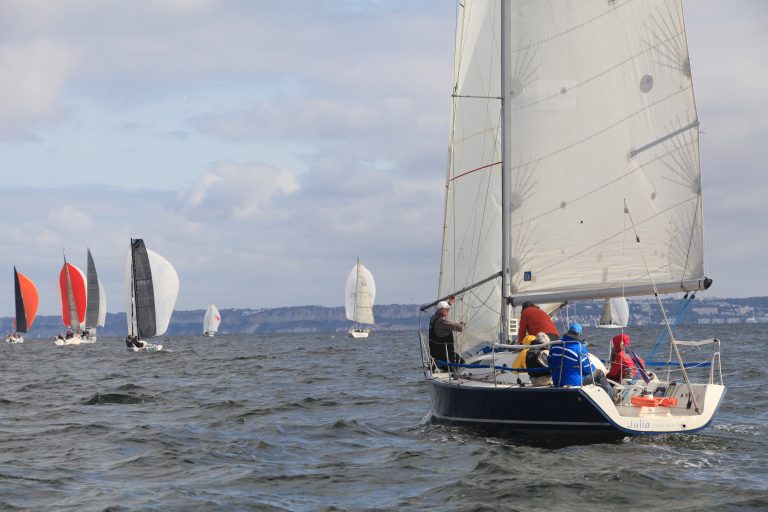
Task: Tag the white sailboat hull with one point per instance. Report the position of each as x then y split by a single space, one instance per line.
74 340
147 347
14 339
358 333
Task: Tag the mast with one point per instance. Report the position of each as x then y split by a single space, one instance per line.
506 159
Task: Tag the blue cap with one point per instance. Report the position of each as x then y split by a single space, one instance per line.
575 327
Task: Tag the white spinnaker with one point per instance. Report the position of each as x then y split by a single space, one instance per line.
472 229
615 313
102 305
165 284
360 294
212 319
595 124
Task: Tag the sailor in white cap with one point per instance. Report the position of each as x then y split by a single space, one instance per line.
441 336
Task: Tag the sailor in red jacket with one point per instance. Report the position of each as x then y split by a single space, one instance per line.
534 320
622 366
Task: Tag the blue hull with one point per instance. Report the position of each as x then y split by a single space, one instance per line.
526 410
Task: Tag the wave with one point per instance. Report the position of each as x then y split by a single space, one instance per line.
114 398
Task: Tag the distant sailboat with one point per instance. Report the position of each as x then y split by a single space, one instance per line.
615 313
96 309
360 294
73 303
151 290
211 321
26 298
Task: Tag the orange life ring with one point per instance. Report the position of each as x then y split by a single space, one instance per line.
653 401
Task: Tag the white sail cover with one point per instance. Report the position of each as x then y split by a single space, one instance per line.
615 313
603 113
212 319
165 284
360 294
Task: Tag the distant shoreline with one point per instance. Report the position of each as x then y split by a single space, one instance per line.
404 317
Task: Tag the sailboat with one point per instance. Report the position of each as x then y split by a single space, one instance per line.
73 303
360 294
26 299
573 174
211 321
96 307
615 313
151 290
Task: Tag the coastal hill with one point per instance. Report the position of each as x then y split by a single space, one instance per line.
403 317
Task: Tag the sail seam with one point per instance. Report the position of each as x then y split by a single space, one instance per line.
572 29
600 75
607 128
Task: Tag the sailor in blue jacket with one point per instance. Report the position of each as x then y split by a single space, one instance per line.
569 361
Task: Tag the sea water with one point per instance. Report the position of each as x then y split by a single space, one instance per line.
324 422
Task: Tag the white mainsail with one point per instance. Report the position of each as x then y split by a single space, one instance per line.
211 319
360 294
594 127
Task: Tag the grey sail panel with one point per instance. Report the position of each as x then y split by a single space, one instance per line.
143 290
21 315
92 306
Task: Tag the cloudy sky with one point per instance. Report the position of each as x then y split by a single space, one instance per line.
262 146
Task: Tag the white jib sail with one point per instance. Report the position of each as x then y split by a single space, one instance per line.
212 319
594 125
102 306
360 294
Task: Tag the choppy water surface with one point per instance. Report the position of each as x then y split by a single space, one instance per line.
322 422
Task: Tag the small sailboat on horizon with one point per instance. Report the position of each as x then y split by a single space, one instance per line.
360 294
211 321
151 289
615 313
26 299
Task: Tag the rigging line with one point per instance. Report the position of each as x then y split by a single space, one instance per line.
599 75
609 127
571 29
475 170
663 313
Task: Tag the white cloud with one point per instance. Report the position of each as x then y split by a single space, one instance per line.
31 78
238 191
